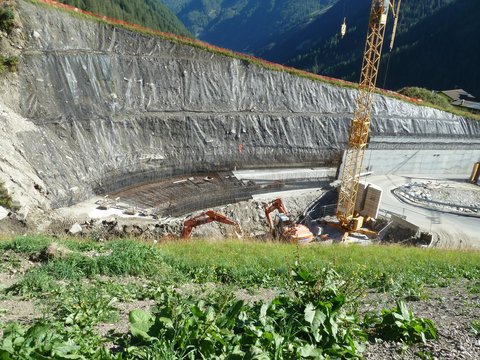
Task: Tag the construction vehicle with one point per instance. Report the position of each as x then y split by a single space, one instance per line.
205 218
283 227
349 219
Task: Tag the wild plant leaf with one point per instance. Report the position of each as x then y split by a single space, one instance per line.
263 314
310 350
140 324
230 317
403 310
334 328
338 301
68 350
309 313
168 323
38 333
5 355
141 319
319 319
198 312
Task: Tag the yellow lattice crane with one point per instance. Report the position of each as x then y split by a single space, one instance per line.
359 129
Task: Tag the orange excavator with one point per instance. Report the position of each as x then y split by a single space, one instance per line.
284 228
205 218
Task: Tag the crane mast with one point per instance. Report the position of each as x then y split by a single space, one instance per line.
360 126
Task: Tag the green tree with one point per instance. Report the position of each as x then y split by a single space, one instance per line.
149 13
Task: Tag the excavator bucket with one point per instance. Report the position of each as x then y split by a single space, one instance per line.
205 218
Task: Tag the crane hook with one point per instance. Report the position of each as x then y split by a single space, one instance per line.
343 28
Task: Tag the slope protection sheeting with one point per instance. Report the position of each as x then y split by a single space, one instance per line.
112 107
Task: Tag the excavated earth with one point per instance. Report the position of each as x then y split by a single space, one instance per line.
96 109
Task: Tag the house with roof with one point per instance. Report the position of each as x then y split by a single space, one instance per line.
461 98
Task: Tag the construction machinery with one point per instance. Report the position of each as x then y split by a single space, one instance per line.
349 219
283 227
205 218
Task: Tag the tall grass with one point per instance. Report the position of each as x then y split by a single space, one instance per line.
396 269
375 265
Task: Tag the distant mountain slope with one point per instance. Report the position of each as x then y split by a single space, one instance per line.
437 41
436 46
246 25
441 52
150 13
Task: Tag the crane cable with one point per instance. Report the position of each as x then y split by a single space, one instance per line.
392 42
389 55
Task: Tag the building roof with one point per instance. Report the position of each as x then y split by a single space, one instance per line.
467 104
458 94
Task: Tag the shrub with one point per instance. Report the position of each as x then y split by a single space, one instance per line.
7 19
11 62
5 199
429 96
8 62
475 328
400 324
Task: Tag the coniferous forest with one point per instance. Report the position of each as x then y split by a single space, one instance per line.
150 13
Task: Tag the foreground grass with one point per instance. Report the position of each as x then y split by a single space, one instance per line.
197 314
399 270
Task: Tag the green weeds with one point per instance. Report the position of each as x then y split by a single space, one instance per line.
313 313
5 199
475 328
474 288
7 19
9 63
315 322
399 324
398 270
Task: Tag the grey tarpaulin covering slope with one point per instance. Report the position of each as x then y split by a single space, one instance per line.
113 107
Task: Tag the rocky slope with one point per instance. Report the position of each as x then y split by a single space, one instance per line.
92 113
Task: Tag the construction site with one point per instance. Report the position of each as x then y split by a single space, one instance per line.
132 134
163 198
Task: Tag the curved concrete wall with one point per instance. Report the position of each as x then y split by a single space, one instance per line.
114 107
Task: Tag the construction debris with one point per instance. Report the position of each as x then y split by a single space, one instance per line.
455 197
75 229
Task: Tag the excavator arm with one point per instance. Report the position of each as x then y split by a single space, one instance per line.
276 204
204 218
288 229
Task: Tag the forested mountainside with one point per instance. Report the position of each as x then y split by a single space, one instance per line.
436 45
437 40
150 13
246 25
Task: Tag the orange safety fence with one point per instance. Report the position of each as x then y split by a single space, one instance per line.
213 48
